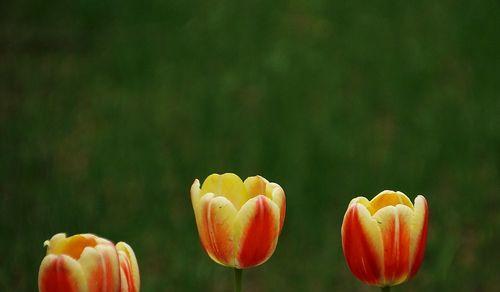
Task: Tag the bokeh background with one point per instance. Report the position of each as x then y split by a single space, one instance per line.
110 109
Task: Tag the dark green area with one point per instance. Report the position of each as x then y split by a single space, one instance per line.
110 109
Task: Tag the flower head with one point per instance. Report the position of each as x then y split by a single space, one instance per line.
238 222
384 239
87 263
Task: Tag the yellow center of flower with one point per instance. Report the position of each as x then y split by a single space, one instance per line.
384 199
230 186
72 246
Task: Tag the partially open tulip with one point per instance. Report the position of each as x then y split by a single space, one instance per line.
87 263
238 222
384 239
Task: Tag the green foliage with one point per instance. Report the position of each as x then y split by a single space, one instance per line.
110 109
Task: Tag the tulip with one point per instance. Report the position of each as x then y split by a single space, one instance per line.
238 222
87 263
384 239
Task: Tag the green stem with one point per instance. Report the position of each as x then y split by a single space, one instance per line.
386 289
237 279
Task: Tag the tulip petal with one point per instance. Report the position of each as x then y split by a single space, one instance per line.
360 200
362 244
61 273
215 220
257 185
195 193
256 231
419 234
93 268
278 197
196 202
395 224
228 185
130 279
111 267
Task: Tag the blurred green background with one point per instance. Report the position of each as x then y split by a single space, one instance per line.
110 109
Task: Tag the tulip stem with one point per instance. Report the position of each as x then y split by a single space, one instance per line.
237 279
386 289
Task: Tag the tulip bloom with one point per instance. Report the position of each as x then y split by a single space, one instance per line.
384 239
87 263
238 222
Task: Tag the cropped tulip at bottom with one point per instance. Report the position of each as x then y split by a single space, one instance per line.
88 263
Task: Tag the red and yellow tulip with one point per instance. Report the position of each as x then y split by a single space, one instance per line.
384 239
238 222
88 263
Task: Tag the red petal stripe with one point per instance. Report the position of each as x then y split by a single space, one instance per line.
358 250
258 240
57 278
112 282
396 248
126 269
95 279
